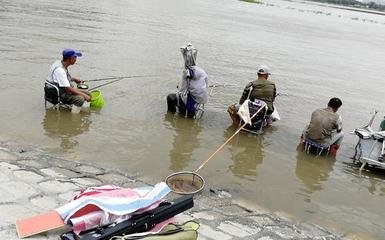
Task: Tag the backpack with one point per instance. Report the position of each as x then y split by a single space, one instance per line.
185 231
259 121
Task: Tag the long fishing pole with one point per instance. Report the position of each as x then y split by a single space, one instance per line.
110 78
101 79
118 79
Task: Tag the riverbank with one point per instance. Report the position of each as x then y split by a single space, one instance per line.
33 181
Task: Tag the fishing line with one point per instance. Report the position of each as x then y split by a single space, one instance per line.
118 79
110 78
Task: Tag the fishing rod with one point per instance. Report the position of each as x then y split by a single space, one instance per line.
212 86
101 79
118 79
110 78
220 85
104 84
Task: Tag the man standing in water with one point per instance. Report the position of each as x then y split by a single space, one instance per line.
259 89
59 75
325 127
192 90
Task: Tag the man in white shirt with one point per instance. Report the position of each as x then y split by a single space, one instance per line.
59 75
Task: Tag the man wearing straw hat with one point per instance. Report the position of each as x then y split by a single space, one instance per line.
59 75
192 90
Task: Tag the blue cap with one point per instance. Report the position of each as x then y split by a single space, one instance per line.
67 53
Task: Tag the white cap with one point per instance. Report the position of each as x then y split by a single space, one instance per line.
263 69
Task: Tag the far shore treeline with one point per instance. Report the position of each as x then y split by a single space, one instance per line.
346 3
356 4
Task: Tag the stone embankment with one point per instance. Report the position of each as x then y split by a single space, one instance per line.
32 181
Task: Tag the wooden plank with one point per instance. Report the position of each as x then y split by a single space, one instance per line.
38 224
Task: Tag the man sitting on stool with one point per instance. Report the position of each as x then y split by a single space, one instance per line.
192 90
59 75
325 127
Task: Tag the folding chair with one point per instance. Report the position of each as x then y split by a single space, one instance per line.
52 95
199 110
310 146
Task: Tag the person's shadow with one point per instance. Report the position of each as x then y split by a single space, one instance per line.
186 133
246 153
313 171
65 126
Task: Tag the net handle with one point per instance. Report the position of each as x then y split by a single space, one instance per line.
228 140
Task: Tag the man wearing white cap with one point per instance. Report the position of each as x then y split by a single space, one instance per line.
259 89
60 76
262 89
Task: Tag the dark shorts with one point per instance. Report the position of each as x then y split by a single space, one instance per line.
173 103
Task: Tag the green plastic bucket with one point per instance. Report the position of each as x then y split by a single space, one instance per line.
97 100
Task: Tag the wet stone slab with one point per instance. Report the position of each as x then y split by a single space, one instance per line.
52 173
233 210
67 196
45 203
13 191
86 182
11 212
286 232
4 177
114 178
210 233
89 169
4 166
54 186
28 176
4 155
237 229
262 220
33 163
204 215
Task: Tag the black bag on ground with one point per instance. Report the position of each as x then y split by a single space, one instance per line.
138 223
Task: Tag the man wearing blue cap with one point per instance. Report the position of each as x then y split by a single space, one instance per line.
60 76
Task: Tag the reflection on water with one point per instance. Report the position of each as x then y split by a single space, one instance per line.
65 126
246 153
313 171
184 142
372 178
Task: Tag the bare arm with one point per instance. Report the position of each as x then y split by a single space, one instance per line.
76 91
77 80
245 93
339 124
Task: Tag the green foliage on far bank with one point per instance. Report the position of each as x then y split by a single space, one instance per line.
252 1
353 3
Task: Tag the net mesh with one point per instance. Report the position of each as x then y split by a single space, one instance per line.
185 182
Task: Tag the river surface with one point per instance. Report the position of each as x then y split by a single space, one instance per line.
314 52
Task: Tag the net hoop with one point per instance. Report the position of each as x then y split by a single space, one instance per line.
197 182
